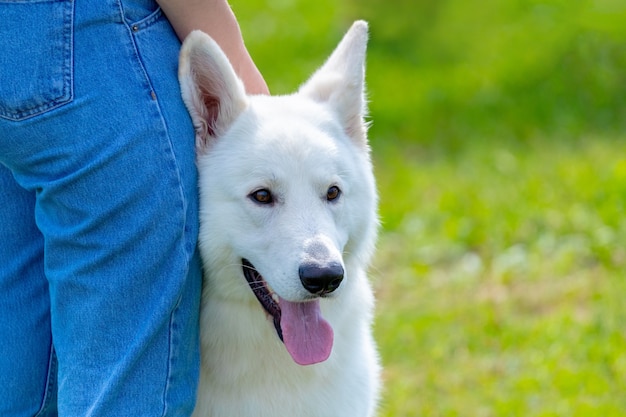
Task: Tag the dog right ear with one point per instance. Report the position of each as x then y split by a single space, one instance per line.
340 82
211 90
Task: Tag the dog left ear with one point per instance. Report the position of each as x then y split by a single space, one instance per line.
341 82
211 90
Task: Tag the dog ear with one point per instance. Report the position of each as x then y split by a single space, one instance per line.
341 82
211 90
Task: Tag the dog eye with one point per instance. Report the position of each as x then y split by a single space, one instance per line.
333 193
262 196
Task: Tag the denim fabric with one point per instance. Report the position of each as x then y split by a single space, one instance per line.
99 273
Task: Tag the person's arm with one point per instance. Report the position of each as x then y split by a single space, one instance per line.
216 18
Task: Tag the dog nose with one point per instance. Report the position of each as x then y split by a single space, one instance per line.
321 279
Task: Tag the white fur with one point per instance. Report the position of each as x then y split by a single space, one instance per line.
297 146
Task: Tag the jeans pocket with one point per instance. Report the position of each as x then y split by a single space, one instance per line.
36 54
140 13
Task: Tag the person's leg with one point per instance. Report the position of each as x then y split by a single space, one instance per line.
27 363
116 203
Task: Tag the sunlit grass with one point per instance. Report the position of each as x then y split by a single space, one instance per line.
500 281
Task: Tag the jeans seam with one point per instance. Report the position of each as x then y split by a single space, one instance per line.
51 384
172 352
183 208
153 17
135 50
170 147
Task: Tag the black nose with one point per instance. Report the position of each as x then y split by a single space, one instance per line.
321 279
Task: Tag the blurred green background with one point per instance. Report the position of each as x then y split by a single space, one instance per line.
498 142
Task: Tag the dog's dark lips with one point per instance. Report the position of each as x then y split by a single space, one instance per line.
259 287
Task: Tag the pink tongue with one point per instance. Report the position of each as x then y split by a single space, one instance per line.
307 336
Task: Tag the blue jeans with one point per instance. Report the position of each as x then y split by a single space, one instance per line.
99 275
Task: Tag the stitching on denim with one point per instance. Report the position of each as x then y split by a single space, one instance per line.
146 21
173 350
175 168
168 147
135 49
67 93
51 384
149 20
154 17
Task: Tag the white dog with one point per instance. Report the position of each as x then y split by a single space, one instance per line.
288 224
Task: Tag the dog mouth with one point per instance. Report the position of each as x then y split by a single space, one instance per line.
307 336
263 294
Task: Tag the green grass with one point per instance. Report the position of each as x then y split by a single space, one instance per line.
500 281
499 139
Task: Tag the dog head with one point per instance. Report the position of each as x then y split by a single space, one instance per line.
286 185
